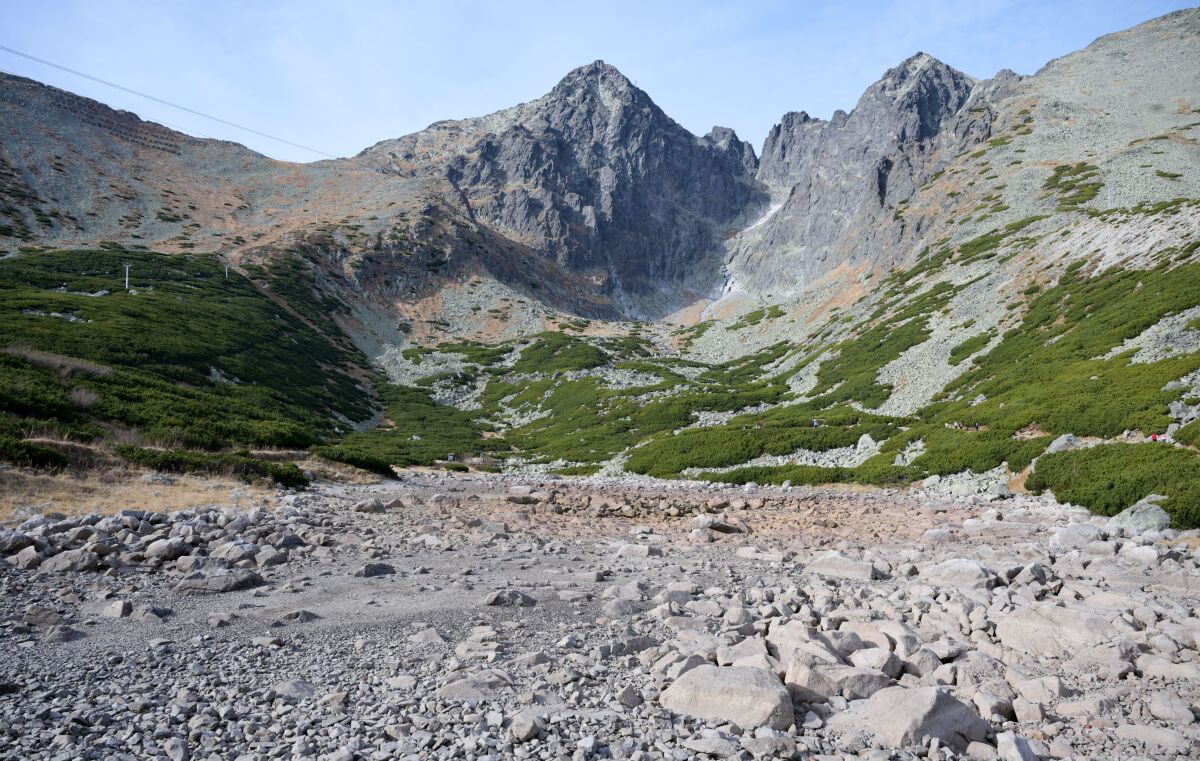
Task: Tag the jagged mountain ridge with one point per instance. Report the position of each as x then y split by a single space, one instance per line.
839 180
589 200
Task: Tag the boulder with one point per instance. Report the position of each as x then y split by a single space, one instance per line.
294 689
902 716
817 683
877 658
837 565
217 583
1064 443
1046 629
1155 738
372 505
1139 519
1171 708
958 573
117 609
1075 536
637 551
12 542
509 598
747 697
27 558
1010 747
167 549
369 570
71 561
483 685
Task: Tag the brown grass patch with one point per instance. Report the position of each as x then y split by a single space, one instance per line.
64 365
24 492
337 472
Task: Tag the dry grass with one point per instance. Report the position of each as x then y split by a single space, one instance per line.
83 398
26 492
337 472
65 366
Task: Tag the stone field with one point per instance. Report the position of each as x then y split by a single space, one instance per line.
487 617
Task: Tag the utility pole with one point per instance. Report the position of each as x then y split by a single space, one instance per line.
127 266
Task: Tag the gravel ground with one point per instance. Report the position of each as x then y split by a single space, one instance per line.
493 617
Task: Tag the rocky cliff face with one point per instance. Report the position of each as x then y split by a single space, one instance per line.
596 177
836 182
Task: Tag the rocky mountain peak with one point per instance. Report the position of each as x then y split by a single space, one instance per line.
916 97
595 76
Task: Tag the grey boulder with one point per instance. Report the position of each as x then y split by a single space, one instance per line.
217 583
747 697
1141 518
902 716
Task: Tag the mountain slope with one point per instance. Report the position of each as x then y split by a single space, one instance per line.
936 285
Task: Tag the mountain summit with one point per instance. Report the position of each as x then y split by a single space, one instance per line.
596 177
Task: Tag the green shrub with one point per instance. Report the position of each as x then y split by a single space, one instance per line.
1189 434
418 432
780 431
154 360
557 352
31 455
1074 184
579 470
853 374
358 457
243 466
969 347
1109 478
1046 370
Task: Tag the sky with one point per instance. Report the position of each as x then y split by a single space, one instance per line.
340 76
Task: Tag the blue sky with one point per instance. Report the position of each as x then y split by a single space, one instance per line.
341 76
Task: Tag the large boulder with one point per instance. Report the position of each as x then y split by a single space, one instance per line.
795 637
1064 443
902 716
167 549
509 598
837 565
71 561
484 685
12 542
958 573
1075 536
747 697
1044 629
818 682
1142 518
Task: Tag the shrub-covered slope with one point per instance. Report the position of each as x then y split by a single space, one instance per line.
187 357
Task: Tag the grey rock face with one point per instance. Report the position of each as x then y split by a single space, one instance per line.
593 175
841 179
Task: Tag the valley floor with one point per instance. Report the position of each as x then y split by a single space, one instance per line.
487 616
